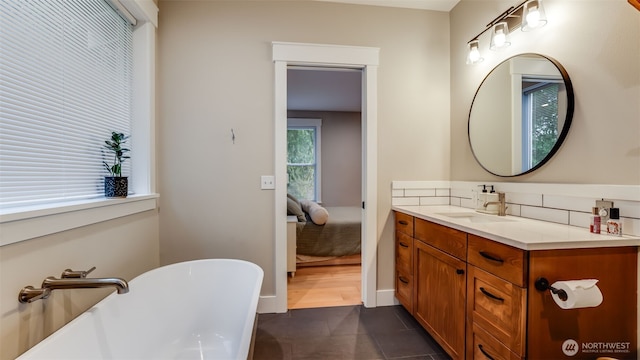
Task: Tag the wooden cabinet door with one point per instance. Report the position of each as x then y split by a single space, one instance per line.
607 330
404 270
440 295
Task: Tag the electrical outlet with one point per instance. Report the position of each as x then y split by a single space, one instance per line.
267 182
606 205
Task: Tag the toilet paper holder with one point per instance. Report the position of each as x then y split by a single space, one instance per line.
542 284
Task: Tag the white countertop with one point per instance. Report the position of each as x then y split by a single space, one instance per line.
523 233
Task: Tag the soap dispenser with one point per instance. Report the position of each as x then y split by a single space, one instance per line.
482 198
614 225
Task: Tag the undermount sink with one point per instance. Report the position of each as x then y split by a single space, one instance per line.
475 218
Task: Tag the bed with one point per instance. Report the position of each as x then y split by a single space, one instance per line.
337 241
326 235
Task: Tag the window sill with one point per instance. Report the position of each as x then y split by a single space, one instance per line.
24 224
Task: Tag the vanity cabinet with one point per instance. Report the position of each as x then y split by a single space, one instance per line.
440 284
478 300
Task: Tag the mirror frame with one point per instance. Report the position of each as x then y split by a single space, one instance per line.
567 121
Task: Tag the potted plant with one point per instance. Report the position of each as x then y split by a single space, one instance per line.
116 185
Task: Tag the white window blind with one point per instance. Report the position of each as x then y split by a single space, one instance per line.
65 85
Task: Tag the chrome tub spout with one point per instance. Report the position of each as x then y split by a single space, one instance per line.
85 283
29 294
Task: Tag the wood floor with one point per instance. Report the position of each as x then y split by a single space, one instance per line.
324 286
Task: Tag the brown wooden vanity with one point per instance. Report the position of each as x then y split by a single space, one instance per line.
477 298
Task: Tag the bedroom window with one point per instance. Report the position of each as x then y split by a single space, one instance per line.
303 158
66 71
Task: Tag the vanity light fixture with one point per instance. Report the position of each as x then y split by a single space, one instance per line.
473 56
500 36
527 15
533 15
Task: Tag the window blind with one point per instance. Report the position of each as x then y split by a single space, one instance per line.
65 85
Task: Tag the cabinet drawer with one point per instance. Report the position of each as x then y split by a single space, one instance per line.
501 260
404 289
404 252
404 223
449 240
482 346
497 306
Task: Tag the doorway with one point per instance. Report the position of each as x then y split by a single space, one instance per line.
366 59
324 157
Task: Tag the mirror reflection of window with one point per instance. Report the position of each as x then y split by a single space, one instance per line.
539 119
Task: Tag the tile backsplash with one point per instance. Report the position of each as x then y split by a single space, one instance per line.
560 203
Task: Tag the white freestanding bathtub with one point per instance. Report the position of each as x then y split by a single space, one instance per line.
202 309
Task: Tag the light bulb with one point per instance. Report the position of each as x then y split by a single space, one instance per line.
474 54
499 38
533 17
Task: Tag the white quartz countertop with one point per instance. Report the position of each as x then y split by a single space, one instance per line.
523 233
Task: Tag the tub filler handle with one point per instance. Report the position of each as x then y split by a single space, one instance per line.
29 294
71 274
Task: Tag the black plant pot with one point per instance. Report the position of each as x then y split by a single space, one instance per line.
116 186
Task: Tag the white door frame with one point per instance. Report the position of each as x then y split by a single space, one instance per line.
364 58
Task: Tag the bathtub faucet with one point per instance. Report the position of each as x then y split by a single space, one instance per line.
30 294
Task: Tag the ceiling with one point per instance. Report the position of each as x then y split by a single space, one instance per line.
331 89
437 5
324 89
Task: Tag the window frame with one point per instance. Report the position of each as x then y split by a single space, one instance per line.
527 118
316 125
24 223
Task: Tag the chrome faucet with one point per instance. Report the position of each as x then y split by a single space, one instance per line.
70 280
502 208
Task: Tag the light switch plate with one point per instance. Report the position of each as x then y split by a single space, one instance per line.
267 182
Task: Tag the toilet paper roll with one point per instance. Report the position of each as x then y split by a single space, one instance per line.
580 293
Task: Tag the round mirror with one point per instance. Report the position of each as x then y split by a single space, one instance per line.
520 114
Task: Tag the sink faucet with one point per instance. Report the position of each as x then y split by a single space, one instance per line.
70 280
502 208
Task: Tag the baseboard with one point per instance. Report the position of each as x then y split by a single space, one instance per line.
386 298
267 305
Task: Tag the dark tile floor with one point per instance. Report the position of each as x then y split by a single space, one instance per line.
346 332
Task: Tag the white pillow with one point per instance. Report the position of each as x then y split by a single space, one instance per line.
317 213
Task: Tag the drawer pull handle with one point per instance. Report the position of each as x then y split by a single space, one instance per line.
403 280
459 271
491 257
403 222
485 353
404 245
488 294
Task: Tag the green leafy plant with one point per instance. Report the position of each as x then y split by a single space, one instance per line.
115 145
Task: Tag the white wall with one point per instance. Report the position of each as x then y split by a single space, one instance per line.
215 73
123 247
597 43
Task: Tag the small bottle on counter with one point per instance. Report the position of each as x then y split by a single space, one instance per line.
596 220
614 225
